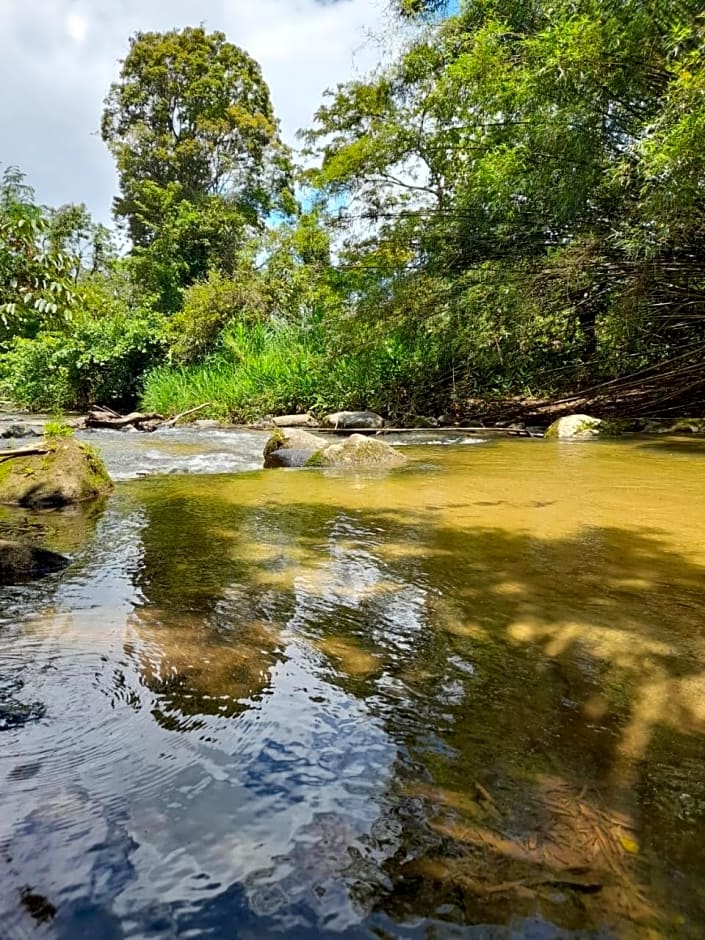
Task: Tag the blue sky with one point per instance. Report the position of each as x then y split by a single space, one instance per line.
58 57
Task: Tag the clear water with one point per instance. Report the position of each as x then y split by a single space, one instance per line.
461 699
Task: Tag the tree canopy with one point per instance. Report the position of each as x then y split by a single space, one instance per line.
192 114
526 157
512 204
35 272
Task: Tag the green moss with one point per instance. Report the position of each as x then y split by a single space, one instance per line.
276 440
70 472
316 460
689 425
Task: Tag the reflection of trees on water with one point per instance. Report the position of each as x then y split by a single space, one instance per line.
563 677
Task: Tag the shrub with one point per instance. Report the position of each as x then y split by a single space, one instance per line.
100 356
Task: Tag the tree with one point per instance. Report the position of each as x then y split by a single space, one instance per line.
538 169
71 230
190 120
35 274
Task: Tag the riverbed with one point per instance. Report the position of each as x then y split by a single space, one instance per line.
464 698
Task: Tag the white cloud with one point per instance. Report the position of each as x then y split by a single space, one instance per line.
76 27
58 57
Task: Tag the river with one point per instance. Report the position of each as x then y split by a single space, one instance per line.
465 698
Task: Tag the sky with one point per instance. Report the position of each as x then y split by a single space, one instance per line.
58 58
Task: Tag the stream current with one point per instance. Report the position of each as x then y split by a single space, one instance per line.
465 698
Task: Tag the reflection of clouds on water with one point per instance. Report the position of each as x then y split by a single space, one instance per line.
278 801
74 855
354 590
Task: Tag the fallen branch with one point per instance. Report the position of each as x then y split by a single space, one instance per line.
97 419
23 452
108 411
578 880
184 414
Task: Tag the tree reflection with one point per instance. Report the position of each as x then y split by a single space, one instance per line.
534 689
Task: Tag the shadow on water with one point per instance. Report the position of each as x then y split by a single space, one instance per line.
686 447
63 530
67 530
336 720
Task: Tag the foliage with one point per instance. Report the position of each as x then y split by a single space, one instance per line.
533 173
260 368
199 157
35 274
57 429
513 204
101 358
91 246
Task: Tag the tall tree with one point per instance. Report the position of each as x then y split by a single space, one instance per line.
192 129
528 157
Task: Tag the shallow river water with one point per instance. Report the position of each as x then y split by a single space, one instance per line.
465 698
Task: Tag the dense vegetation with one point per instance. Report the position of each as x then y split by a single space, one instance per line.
514 206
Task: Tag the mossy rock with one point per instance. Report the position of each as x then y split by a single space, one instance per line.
688 426
291 439
70 472
348 420
574 426
357 451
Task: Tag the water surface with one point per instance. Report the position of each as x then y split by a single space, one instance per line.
461 699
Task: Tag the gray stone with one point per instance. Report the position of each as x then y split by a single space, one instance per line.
422 421
295 421
289 457
357 451
348 420
18 430
290 439
207 424
296 448
20 562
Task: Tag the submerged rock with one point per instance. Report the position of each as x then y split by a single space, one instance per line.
348 420
20 562
69 472
574 426
357 451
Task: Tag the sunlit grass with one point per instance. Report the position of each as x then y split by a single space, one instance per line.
277 368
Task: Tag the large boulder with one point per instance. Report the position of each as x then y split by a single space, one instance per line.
294 448
67 472
349 420
574 426
20 562
357 451
290 448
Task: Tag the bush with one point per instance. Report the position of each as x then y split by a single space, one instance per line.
100 356
208 305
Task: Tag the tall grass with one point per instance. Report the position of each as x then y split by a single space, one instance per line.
257 370
277 368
